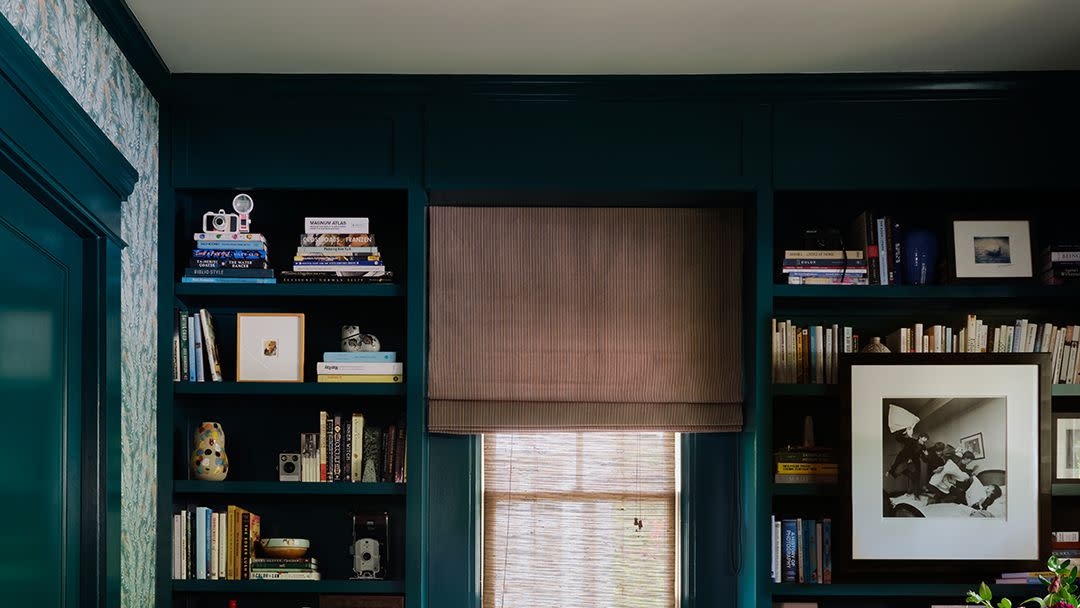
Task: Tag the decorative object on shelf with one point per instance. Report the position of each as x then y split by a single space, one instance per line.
1060 583
226 251
875 346
370 549
912 481
997 249
209 462
920 257
353 341
270 347
1067 448
289 467
243 205
286 548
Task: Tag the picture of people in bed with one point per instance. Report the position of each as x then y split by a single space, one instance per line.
925 475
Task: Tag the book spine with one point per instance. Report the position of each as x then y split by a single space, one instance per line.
883 248
826 551
184 367
362 378
228 255
177 376
376 357
323 452
346 449
807 468
805 478
824 254
303 251
223 539
200 368
819 563
357 447
811 551
189 544
790 540
214 546
241 273
210 345
873 256
200 543
800 551
336 225
192 361
337 240
360 368
176 574
896 246
812 263
245 546
399 455
223 245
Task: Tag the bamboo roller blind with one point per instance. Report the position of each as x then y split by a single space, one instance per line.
569 319
559 520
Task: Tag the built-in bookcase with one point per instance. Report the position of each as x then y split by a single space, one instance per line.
877 311
262 420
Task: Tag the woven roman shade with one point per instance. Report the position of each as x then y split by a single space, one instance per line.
583 318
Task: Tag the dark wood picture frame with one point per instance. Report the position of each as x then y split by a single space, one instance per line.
847 569
1058 416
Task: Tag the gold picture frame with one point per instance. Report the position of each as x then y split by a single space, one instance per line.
269 347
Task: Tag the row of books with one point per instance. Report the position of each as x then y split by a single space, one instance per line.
808 355
214 545
229 257
1022 336
347 449
801 550
1060 265
336 249
1063 544
821 267
806 464
373 367
881 238
195 351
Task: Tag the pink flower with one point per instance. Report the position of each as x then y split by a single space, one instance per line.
1055 586
1062 604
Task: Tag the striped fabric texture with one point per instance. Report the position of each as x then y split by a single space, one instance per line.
585 318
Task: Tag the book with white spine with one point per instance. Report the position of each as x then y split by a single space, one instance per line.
336 225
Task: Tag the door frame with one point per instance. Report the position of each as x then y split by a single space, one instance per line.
51 147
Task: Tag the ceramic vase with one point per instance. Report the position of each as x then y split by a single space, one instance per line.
209 462
875 346
920 257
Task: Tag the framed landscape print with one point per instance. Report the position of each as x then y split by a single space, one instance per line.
269 347
1067 448
994 249
945 461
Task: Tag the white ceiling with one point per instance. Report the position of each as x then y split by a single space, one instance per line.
611 36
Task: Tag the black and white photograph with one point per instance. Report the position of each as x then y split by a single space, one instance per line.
930 464
1067 448
992 250
947 450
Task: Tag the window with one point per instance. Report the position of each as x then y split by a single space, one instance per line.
580 519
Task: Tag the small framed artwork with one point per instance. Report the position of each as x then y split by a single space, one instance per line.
973 444
947 449
269 347
1067 448
992 249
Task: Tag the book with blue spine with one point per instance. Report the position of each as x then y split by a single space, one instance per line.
810 530
200 371
237 280
791 547
192 374
826 550
233 273
257 255
365 357
200 542
223 245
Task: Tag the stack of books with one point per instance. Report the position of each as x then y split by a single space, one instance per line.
1065 545
801 550
1060 265
880 238
824 267
374 367
285 569
801 464
195 350
1023 578
809 355
229 257
337 250
347 449
214 545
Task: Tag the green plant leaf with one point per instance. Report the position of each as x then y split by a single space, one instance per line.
973 598
984 592
1005 603
1034 600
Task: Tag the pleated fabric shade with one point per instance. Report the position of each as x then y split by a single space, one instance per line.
585 318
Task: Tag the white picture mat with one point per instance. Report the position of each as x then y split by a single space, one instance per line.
253 331
1019 233
897 538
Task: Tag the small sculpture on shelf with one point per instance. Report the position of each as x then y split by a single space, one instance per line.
208 460
875 346
353 341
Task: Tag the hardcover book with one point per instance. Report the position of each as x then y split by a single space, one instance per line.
372 454
337 240
336 225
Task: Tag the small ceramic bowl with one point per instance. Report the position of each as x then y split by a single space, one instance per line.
285 547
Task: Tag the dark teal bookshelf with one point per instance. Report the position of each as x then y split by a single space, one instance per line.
938 590
785 293
289 290
336 586
288 488
310 389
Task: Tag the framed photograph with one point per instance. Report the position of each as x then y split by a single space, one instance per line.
943 450
992 249
1067 448
974 445
269 347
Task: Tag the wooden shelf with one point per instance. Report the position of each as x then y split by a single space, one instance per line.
288 388
1065 390
928 292
1065 489
288 488
249 586
806 489
953 590
370 290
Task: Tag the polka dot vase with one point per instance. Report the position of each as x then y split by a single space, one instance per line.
208 460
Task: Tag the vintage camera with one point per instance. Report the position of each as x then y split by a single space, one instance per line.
289 467
243 205
370 551
226 223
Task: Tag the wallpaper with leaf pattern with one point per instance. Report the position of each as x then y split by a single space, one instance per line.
70 39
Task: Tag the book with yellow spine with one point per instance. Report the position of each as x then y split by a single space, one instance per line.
807 468
374 378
